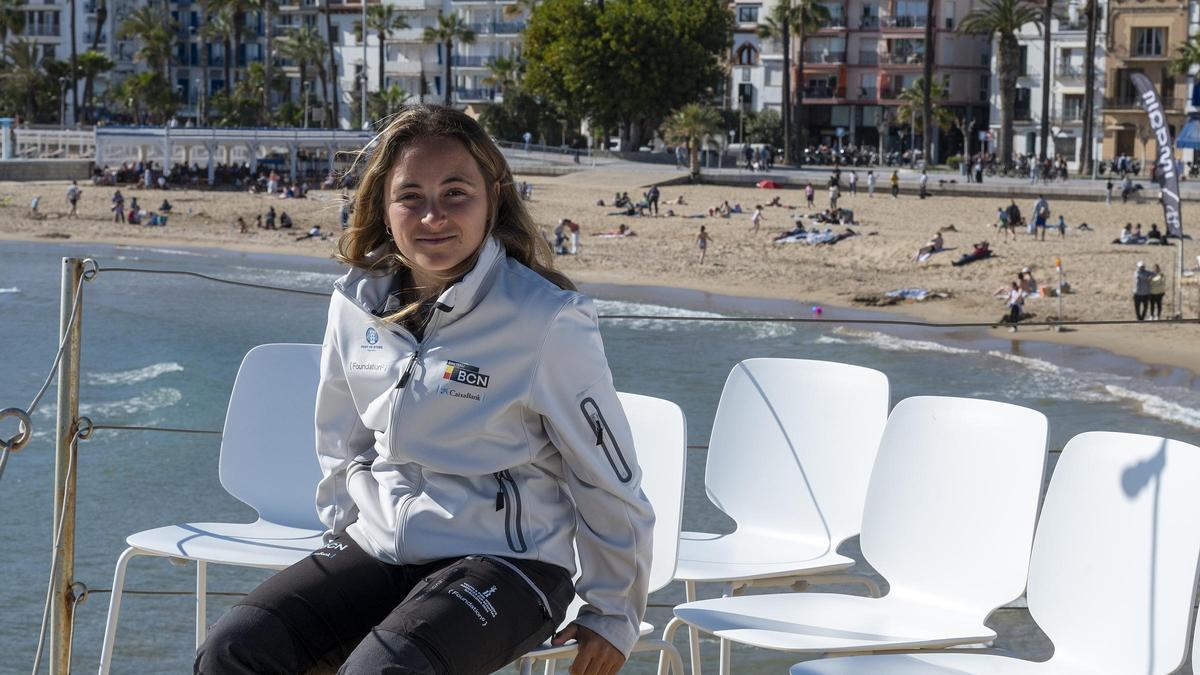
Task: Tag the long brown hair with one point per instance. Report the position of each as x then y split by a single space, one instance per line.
508 220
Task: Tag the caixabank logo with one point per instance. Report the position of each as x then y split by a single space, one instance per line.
463 373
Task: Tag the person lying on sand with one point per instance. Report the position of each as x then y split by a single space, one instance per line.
978 252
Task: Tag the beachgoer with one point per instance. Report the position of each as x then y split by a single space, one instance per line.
979 251
809 195
118 207
1141 290
73 194
241 223
285 221
1062 227
1015 301
895 184
936 243
165 207
702 242
258 224
924 183
1041 212
344 215
833 195
1155 235
33 207
757 218
313 233
853 182
1108 187
652 199
871 183
485 484
1158 289
270 219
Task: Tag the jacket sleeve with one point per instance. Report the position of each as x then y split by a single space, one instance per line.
342 439
574 394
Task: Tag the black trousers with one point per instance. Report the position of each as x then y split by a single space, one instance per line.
1141 303
1156 305
341 607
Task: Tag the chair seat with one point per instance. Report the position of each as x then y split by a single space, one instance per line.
257 544
934 664
829 622
547 650
714 557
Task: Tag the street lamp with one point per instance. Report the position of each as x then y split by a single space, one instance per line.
307 85
62 102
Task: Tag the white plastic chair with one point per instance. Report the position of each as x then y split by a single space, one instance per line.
791 451
948 521
660 439
268 433
1113 569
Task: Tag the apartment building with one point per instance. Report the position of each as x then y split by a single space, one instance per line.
1068 57
856 65
1142 37
756 67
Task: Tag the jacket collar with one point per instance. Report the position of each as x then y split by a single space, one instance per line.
371 290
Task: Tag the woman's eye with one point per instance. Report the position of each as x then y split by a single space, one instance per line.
456 193
407 197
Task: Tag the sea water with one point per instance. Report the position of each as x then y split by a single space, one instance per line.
163 351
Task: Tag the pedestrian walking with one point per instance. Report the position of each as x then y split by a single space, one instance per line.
73 194
870 184
702 242
895 184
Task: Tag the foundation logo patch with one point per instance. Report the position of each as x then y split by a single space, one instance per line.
372 336
462 373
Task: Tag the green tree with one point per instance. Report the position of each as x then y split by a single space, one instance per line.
1092 10
152 26
914 105
383 19
267 7
92 64
12 21
692 124
306 48
503 73
520 111
1002 20
451 28
147 92
788 20
219 27
1186 56
628 65
332 104
765 127
24 74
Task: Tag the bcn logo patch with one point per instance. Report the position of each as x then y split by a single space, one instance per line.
465 374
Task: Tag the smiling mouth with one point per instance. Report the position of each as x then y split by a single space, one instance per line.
436 240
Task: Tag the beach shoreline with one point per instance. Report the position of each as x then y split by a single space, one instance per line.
741 263
709 297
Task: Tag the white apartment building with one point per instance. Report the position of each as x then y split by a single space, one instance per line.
756 67
1069 52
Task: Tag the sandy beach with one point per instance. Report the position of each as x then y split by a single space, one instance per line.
739 261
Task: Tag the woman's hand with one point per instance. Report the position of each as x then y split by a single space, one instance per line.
596 655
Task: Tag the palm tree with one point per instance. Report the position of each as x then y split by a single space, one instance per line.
268 9
1044 26
692 124
927 82
788 18
74 77
91 64
24 71
520 8
332 106
305 47
1089 85
383 19
914 99
12 21
503 73
101 17
451 28
1002 19
219 27
154 28
1187 55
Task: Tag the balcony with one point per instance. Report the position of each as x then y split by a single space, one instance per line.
868 57
1148 55
823 91
88 35
1071 71
89 7
1133 102
471 61
833 23
498 27
52 30
902 59
868 23
474 94
904 21
824 57
1022 114
867 93
891 92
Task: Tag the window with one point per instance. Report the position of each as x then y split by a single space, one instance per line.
47 52
1065 146
747 55
985 86
1021 109
1149 41
1072 107
747 13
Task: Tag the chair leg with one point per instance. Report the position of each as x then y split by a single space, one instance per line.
551 667
669 638
689 589
726 656
666 650
526 666
201 602
114 609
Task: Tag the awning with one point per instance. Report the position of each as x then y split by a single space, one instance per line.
1189 135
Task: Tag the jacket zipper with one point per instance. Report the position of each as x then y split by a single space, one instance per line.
512 506
543 603
402 387
599 426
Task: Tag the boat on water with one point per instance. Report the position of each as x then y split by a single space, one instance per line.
144 363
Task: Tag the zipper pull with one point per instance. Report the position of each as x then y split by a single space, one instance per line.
499 492
408 370
499 501
599 429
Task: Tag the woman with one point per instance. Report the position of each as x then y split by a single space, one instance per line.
466 421
1158 288
1015 301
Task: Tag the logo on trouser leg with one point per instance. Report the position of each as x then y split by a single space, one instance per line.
476 600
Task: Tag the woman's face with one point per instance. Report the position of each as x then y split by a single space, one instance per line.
437 205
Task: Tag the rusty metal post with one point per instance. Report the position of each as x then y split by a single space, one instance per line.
62 601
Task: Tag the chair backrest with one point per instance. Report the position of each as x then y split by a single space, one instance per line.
268 447
792 446
1113 570
953 498
660 441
